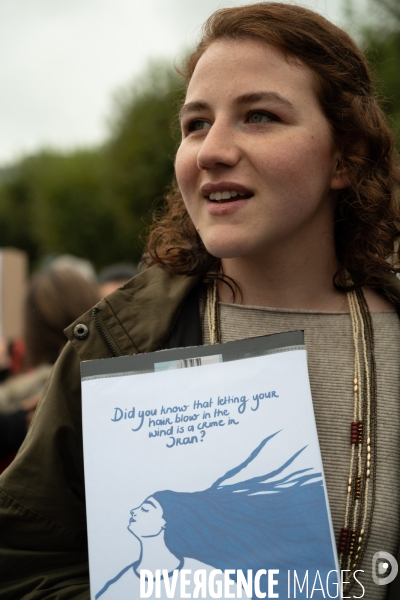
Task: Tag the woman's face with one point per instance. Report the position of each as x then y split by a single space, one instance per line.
257 164
147 519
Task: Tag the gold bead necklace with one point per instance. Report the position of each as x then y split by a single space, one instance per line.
361 481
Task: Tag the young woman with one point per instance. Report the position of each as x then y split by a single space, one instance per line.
284 217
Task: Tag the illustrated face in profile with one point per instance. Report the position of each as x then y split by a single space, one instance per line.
147 519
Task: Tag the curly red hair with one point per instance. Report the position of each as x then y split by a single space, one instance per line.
367 215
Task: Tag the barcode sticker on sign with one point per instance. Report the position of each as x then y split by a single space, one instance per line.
188 362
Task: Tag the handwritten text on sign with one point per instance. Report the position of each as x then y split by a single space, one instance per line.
175 422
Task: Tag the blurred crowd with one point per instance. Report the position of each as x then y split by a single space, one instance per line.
54 297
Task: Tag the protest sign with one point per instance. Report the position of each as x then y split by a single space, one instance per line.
208 479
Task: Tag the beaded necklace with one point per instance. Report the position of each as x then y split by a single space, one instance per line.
361 482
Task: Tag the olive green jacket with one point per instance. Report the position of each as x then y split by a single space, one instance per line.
43 539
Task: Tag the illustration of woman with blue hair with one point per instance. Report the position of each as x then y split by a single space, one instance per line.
272 521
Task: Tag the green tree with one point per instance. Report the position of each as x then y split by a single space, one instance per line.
55 203
16 210
71 212
141 150
383 53
379 35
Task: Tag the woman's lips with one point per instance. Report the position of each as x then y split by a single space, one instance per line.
222 187
225 197
226 207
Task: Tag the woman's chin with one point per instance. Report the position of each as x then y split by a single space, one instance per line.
225 249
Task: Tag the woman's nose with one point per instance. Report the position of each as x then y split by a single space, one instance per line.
219 148
133 512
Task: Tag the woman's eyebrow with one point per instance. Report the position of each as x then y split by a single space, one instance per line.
193 107
269 96
149 502
242 99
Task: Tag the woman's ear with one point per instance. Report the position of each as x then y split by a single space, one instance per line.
339 179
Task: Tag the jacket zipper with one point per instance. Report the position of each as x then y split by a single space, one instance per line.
95 314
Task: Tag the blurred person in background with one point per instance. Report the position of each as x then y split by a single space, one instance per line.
69 261
5 360
114 276
55 297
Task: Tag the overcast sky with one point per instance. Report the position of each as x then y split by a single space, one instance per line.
62 60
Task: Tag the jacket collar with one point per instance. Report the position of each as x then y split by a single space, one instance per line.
137 317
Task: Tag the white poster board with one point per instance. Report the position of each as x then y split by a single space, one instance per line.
208 468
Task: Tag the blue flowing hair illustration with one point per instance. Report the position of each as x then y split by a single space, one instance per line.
272 521
259 523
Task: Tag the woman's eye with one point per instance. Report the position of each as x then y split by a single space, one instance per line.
197 125
261 117
144 510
